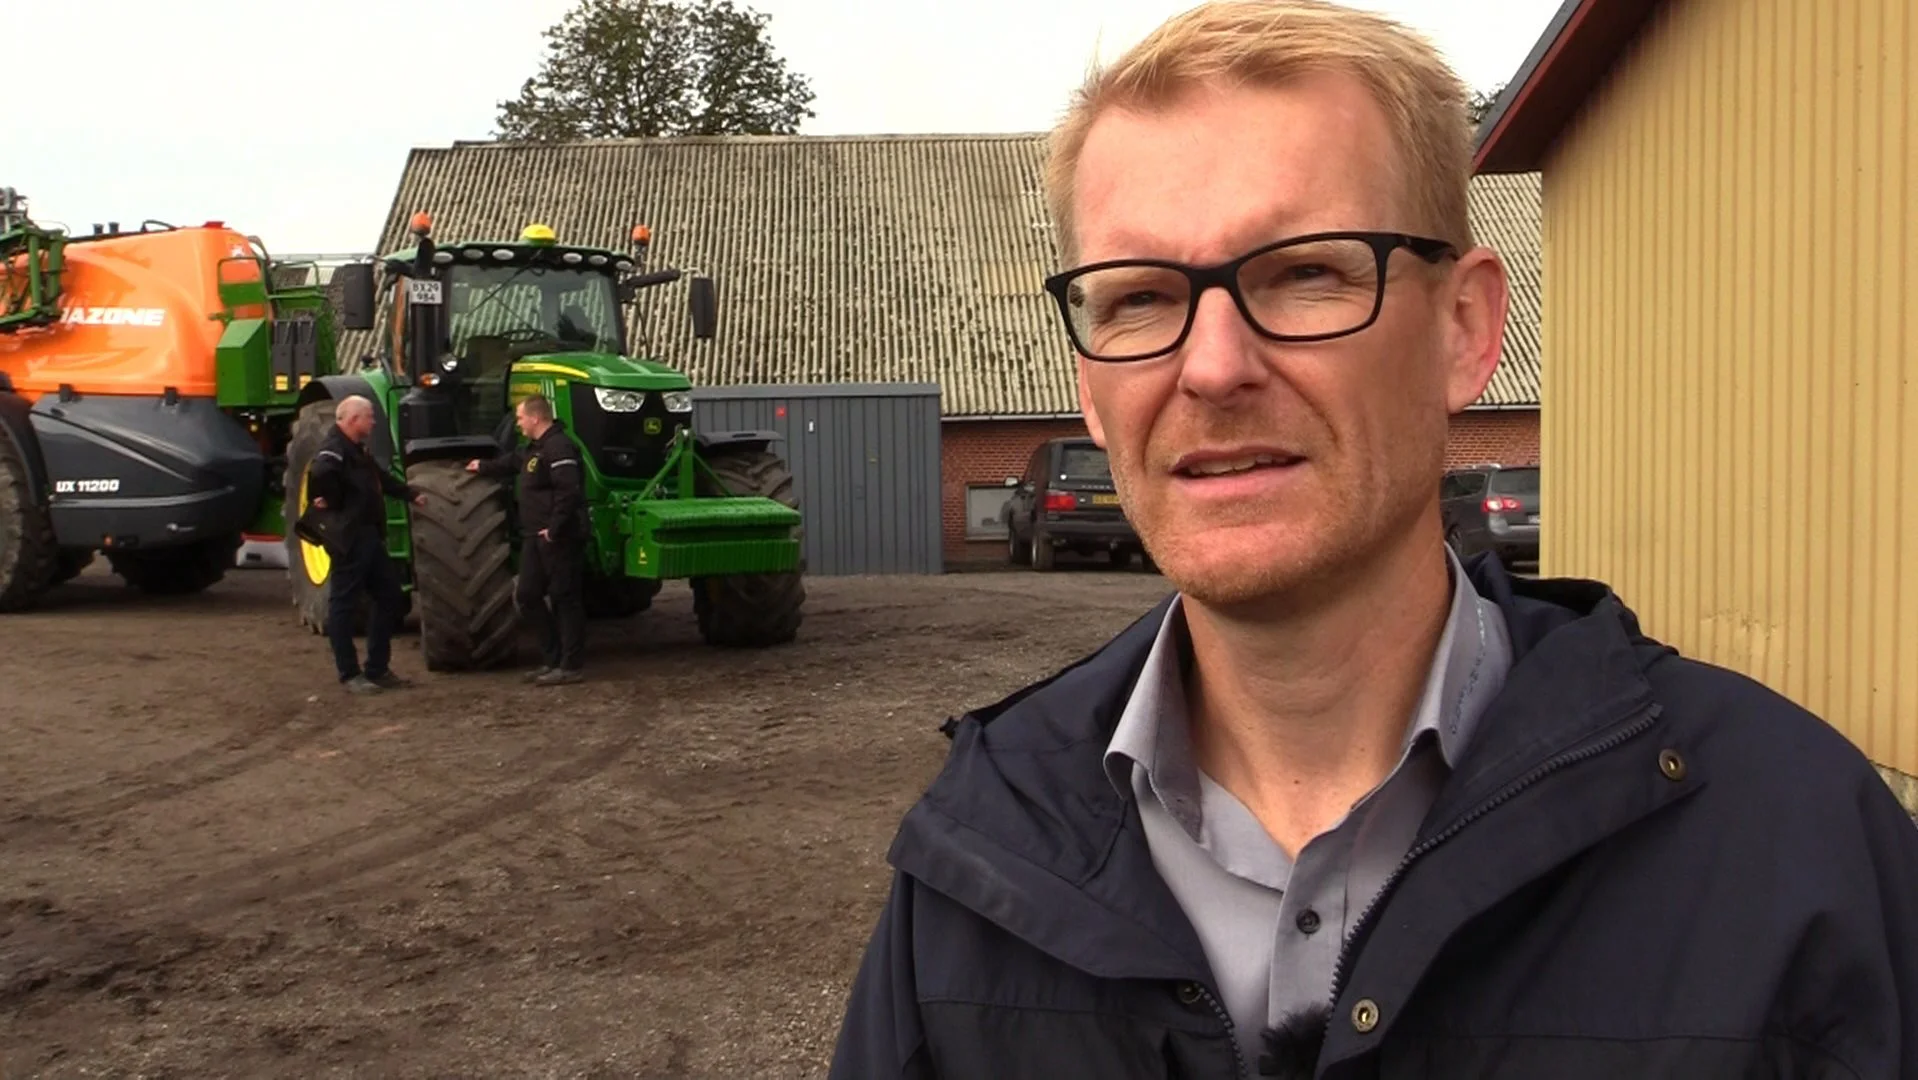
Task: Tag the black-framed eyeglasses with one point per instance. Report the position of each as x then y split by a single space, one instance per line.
1306 288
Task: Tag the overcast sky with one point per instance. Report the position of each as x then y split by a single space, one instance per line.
292 121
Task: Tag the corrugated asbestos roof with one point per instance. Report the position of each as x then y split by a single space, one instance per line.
1505 217
846 258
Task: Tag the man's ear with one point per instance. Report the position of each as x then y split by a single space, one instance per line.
1088 410
1474 326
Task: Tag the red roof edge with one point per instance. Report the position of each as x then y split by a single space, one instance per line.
1570 60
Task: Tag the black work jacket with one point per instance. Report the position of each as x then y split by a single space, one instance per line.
551 484
1644 868
354 487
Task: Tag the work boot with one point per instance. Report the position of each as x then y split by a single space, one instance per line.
558 677
360 684
538 673
388 681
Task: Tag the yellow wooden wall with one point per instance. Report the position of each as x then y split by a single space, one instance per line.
1730 420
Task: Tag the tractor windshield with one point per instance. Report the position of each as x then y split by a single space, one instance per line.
498 314
533 308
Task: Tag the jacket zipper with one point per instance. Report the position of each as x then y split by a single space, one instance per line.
1570 757
1231 1030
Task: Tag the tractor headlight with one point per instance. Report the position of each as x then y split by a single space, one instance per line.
619 400
677 400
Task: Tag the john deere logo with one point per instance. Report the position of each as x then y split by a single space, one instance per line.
652 425
532 462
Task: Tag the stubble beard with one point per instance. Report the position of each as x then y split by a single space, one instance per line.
1236 562
1243 556
1250 559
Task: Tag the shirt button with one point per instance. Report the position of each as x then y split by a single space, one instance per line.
1365 1015
1308 921
1189 993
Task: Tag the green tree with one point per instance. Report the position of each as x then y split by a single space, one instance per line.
1481 102
644 68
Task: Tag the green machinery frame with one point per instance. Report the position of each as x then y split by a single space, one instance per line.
686 535
30 291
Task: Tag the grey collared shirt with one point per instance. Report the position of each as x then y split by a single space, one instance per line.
1271 928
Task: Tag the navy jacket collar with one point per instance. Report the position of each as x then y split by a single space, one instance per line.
1023 827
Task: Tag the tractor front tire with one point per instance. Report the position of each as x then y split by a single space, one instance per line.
462 569
751 610
186 568
309 569
27 550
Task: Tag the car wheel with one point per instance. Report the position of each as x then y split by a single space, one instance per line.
1042 552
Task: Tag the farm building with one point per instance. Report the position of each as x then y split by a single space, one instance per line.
1729 253
861 274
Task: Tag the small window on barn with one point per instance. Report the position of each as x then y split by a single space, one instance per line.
983 505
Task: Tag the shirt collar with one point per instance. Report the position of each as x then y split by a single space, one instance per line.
1468 668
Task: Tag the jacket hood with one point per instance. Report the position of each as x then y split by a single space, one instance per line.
1023 826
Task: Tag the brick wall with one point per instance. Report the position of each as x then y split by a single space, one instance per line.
988 451
1504 438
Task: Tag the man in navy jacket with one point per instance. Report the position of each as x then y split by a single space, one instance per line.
1346 806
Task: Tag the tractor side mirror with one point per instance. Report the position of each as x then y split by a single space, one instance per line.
705 304
356 295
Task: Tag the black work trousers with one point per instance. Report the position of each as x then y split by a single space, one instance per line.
553 572
364 567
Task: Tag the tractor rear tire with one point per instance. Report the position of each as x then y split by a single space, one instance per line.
309 571
751 610
179 570
27 550
462 569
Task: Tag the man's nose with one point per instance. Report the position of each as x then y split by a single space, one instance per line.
1222 355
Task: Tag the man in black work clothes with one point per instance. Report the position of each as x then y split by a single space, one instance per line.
552 521
349 485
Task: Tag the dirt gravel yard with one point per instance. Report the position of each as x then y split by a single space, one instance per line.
216 864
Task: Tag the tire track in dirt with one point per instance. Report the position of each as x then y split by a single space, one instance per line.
393 839
316 866
118 792
45 949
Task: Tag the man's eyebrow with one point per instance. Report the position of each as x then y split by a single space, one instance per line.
1131 242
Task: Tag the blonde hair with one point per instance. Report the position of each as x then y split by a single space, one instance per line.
1266 43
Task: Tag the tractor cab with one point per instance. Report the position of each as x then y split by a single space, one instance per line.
459 317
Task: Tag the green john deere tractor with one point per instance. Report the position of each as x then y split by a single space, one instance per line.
471 328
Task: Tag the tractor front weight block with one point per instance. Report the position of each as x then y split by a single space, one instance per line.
680 538
704 536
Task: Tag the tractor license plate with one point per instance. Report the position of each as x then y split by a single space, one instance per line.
1105 500
422 291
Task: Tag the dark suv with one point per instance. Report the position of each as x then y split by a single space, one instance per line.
1492 508
1066 500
